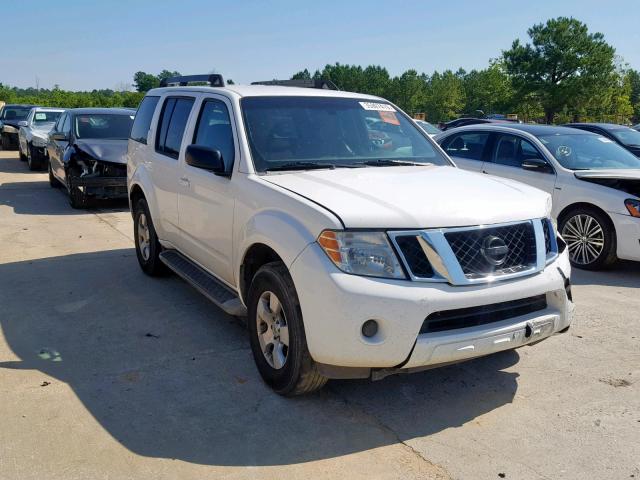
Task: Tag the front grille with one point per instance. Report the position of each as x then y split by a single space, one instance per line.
114 170
482 315
467 246
414 255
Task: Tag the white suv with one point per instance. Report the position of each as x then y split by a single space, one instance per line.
340 230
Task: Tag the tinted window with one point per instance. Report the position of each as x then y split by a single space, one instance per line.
104 126
214 130
66 126
339 132
627 136
172 124
142 122
512 151
58 126
467 145
15 113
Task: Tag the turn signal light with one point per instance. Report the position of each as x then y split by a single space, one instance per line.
329 244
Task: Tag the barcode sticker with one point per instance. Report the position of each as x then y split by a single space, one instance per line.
378 107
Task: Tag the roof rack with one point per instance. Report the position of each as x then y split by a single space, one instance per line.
213 79
304 83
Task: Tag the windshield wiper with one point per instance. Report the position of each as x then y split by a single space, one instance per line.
299 166
384 162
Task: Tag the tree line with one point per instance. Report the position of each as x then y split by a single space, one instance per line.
564 73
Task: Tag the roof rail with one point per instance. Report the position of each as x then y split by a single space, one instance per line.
213 79
304 83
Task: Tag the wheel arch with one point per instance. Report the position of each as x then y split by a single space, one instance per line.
257 255
586 205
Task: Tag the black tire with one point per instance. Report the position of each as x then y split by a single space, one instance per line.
77 198
299 374
23 157
607 256
33 157
53 181
4 141
152 265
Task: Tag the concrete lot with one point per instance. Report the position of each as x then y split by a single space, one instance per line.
108 374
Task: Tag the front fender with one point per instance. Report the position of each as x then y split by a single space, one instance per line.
140 178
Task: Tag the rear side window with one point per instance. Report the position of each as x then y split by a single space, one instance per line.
468 145
142 122
214 130
173 122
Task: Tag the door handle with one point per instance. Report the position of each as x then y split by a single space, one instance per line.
185 181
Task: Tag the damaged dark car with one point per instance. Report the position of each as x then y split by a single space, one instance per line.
12 117
87 153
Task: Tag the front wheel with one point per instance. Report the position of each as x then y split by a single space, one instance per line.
33 160
23 157
277 336
53 181
590 237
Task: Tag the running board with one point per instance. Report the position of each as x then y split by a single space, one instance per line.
204 282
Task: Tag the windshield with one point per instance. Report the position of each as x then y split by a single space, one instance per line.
15 113
45 116
588 152
627 136
105 126
320 132
427 127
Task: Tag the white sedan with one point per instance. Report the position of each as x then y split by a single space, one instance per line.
595 183
33 135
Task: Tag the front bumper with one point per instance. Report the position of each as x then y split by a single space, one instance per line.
335 305
627 236
100 187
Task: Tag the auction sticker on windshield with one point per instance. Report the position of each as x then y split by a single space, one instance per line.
379 107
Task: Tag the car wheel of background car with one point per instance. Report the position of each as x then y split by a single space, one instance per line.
590 237
53 181
148 247
4 141
277 333
33 159
23 156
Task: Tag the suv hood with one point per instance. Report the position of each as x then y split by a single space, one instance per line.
104 150
416 197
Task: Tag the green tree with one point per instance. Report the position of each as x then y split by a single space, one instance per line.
563 65
143 81
634 97
488 90
445 96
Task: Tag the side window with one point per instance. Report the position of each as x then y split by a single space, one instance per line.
66 126
173 122
469 145
58 126
506 152
142 122
528 151
214 130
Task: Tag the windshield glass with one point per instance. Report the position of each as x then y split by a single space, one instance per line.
312 132
15 113
105 126
45 116
427 127
588 152
628 136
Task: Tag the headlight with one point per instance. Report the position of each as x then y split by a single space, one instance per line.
39 141
633 206
361 253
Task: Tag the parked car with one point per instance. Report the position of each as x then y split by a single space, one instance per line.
349 260
429 128
12 117
34 135
461 122
624 136
637 127
87 153
594 182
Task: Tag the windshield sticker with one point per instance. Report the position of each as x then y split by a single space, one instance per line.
604 140
389 117
563 151
379 107
41 116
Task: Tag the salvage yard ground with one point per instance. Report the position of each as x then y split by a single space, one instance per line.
108 374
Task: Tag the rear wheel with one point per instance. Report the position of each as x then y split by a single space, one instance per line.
147 244
590 237
4 141
277 336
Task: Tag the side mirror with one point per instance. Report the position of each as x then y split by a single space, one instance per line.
60 137
536 164
206 158
22 123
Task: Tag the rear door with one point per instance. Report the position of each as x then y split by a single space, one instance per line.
165 162
468 149
206 200
506 159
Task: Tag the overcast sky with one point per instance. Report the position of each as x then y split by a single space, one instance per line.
82 45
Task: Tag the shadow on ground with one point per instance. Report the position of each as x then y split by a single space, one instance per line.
169 375
621 274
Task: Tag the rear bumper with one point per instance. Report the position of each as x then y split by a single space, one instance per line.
335 305
627 235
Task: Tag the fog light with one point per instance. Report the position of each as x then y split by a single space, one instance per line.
369 328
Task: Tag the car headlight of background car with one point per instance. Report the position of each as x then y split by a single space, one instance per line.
39 141
633 206
361 253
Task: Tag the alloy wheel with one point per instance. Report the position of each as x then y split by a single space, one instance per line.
144 243
273 331
584 237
